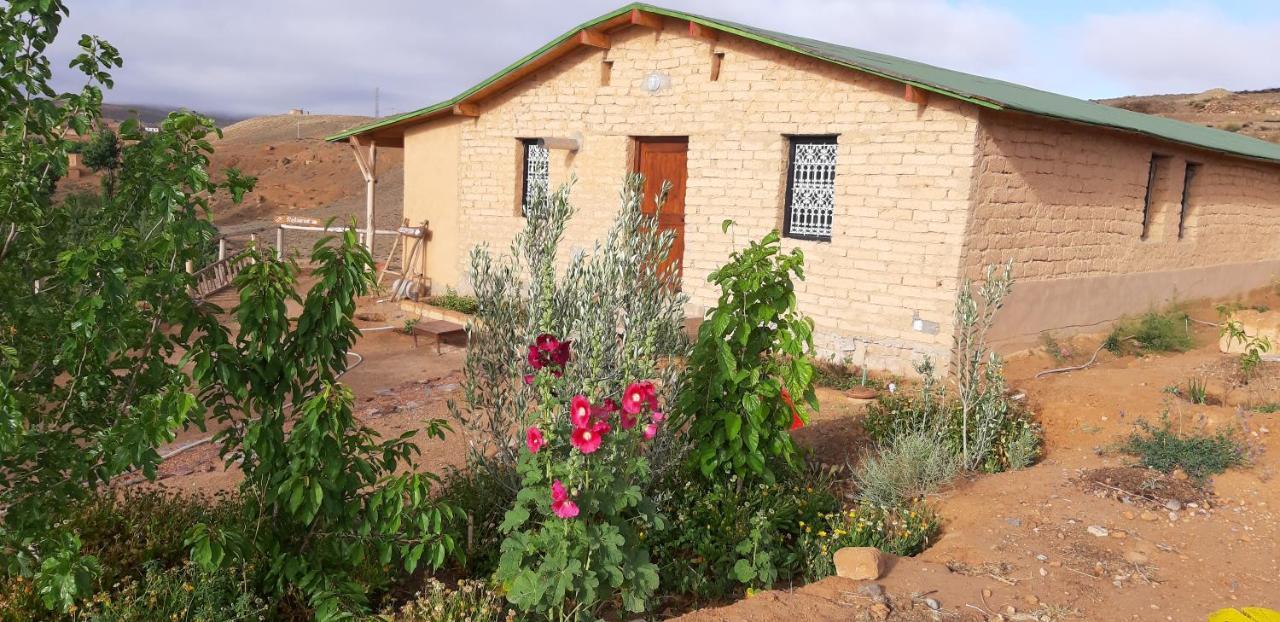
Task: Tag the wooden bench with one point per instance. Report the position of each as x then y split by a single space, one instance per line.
437 328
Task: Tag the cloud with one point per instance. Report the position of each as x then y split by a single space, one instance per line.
1180 49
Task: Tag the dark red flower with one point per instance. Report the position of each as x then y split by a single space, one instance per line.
547 351
796 421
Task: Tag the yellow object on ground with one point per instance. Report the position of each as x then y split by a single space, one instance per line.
1248 614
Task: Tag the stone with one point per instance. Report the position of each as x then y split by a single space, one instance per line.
932 604
880 611
1097 530
871 590
1173 505
1149 516
1135 557
860 563
1128 515
1119 534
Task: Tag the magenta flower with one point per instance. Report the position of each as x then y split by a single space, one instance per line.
638 395
580 411
650 431
658 416
588 439
533 439
560 502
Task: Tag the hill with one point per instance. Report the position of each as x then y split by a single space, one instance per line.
1253 113
151 114
298 173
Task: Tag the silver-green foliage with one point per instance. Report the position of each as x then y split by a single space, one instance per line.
622 311
912 465
979 371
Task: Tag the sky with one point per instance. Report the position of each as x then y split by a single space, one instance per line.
249 57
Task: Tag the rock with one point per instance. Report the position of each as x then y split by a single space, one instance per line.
880 611
1148 516
1135 557
1097 530
871 590
1128 515
1173 516
860 563
1119 534
1173 505
932 604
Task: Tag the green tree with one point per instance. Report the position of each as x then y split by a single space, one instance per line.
94 300
328 503
102 151
750 379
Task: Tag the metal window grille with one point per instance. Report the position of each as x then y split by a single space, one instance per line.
811 188
537 173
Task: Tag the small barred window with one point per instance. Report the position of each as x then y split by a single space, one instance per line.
811 188
537 173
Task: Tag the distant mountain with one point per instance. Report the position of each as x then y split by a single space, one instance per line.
152 114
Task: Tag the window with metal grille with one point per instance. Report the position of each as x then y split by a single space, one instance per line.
537 173
811 188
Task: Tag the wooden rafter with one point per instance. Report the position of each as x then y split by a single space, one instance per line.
594 38
466 109
916 95
702 32
646 20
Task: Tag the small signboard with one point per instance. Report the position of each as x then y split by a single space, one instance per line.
286 219
413 232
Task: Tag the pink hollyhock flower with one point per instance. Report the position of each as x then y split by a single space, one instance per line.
658 416
533 439
560 502
588 439
638 395
650 431
528 378
580 411
627 420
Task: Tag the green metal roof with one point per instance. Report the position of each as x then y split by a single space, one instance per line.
986 92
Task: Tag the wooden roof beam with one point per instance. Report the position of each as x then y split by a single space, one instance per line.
702 32
916 95
466 110
594 38
646 20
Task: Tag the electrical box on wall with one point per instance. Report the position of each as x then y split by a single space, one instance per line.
923 326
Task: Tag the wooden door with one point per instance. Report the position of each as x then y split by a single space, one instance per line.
662 159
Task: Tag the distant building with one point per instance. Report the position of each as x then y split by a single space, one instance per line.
896 178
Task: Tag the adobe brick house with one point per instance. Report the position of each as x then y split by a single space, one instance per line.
895 178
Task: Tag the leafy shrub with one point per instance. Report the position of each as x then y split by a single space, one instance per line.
1012 437
1199 454
750 377
904 530
911 466
102 151
621 310
454 301
89 383
470 601
842 376
725 536
329 505
480 498
1254 346
587 404
573 535
1154 331
182 593
125 530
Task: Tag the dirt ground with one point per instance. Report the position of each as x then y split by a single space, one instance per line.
1014 546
